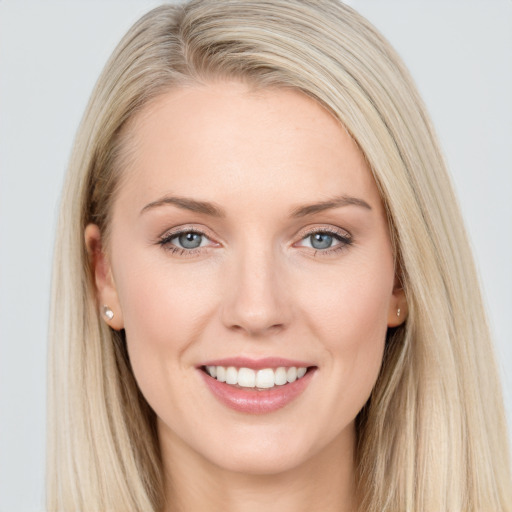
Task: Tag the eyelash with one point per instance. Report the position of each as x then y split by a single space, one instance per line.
165 242
344 239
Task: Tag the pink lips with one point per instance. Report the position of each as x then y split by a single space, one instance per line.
255 401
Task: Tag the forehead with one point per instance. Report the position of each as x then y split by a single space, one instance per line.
235 142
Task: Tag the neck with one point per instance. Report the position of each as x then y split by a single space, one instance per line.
323 482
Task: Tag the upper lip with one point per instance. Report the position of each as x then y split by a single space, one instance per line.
257 364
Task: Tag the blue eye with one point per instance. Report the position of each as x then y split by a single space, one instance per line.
183 242
326 241
188 240
321 240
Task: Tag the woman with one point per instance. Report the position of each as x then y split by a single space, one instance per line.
277 304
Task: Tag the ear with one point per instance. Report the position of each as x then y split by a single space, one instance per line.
106 292
398 309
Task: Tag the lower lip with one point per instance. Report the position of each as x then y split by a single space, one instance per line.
253 401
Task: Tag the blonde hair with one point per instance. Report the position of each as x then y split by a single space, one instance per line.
432 436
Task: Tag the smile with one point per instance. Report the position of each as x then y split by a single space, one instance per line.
265 378
257 386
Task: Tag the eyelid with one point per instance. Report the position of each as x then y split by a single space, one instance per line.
186 228
165 238
332 230
342 236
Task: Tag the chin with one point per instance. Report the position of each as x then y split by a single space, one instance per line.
266 451
260 463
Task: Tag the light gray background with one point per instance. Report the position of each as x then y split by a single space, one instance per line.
51 52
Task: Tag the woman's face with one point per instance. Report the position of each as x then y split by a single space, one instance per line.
248 232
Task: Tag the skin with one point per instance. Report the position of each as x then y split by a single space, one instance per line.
255 287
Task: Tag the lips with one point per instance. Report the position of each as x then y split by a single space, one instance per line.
257 386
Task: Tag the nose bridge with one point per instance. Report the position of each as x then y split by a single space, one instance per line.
255 301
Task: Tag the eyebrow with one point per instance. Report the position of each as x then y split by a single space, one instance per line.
187 204
336 202
213 210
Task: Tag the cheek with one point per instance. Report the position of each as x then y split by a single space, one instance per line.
158 298
164 310
350 306
350 317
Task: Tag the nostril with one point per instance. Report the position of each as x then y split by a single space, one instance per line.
254 328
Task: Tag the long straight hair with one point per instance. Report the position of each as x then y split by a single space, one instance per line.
432 436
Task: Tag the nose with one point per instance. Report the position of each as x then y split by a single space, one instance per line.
256 300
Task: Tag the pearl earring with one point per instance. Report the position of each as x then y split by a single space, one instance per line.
108 312
398 313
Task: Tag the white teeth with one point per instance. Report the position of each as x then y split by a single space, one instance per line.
280 377
291 374
231 375
221 373
246 378
263 379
